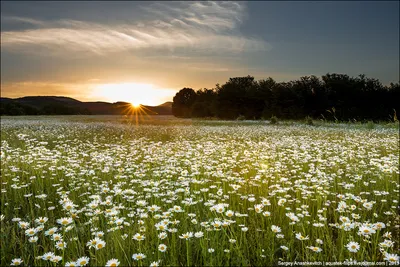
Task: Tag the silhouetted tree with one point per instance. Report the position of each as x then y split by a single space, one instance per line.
334 96
183 101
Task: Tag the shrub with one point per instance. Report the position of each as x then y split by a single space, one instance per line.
273 120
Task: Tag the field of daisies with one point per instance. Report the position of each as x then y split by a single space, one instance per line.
107 191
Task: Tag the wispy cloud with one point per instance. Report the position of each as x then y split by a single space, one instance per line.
194 25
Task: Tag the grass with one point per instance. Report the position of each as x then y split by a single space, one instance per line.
227 183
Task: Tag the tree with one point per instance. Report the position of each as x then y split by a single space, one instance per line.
183 101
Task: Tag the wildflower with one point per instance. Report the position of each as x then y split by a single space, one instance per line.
284 248
211 250
138 256
71 264
244 229
392 258
267 214
154 263
162 235
387 243
258 208
41 220
48 256
275 229
61 245
379 225
64 221
186 236
112 263
33 239
138 237
51 231
30 232
162 247
199 234
161 226
299 236
368 205
315 249
229 213
56 259
353 246
100 244
23 225
365 230
56 237
82 261
16 262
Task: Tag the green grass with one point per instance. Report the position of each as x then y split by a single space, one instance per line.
195 165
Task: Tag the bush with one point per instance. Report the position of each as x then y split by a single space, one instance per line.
273 120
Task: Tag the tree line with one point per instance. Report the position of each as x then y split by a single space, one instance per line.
334 96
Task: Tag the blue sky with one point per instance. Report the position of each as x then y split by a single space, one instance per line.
153 49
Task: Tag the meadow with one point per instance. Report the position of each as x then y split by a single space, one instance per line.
109 191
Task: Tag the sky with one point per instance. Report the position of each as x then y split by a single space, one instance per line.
145 52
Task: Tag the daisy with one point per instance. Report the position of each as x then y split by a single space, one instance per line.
154 263
211 250
365 230
16 262
275 229
199 234
392 258
41 220
353 246
64 221
315 249
138 256
230 213
71 264
162 235
33 239
100 244
186 236
112 263
82 261
299 236
56 259
162 247
138 237
30 232
48 256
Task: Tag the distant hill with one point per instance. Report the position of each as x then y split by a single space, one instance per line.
60 105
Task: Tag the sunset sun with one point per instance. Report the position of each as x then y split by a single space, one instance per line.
135 93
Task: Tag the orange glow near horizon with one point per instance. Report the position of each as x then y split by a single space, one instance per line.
135 93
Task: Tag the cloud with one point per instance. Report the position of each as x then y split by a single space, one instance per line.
207 26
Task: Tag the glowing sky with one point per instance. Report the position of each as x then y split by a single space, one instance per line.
147 51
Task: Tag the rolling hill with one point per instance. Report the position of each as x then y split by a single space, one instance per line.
60 105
